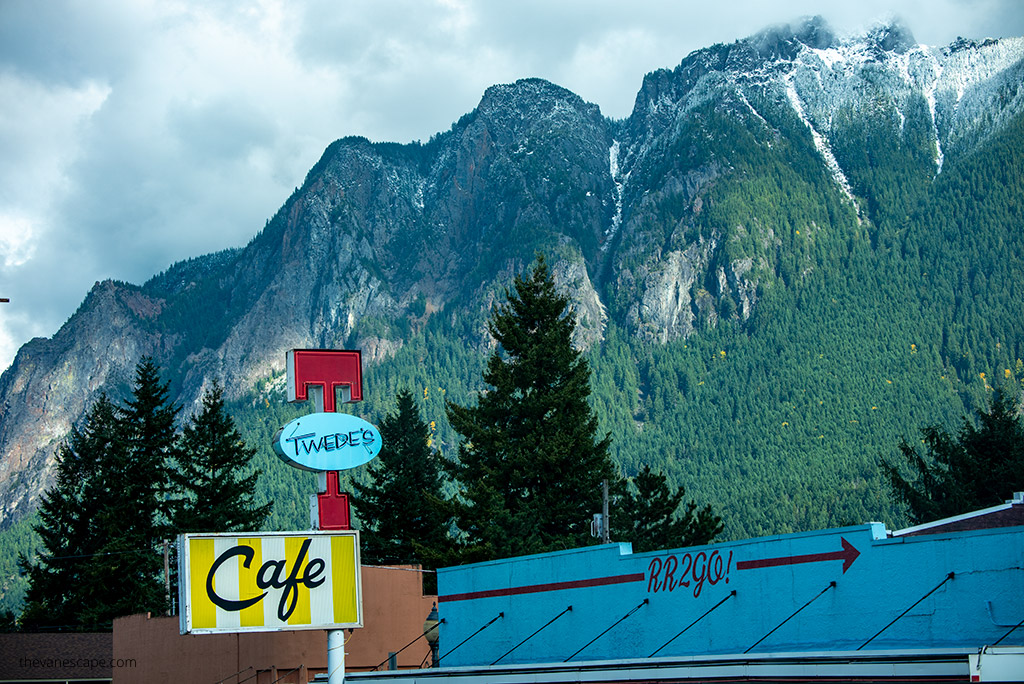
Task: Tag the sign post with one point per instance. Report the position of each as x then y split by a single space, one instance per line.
326 442
335 656
251 582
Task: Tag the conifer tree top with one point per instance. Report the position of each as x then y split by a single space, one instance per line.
530 462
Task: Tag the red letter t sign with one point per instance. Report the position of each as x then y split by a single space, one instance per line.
324 371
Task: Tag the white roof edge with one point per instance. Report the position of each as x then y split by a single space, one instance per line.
953 519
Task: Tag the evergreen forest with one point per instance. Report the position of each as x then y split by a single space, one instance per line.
909 318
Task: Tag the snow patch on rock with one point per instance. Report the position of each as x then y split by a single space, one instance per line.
820 141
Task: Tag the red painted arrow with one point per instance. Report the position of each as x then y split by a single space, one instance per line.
847 555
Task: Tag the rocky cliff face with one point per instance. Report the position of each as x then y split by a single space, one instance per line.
635 216
53 381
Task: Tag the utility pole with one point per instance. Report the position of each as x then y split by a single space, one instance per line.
167 576
606 536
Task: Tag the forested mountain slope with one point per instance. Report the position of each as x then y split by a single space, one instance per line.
795 250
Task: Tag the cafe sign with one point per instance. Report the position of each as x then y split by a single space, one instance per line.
269 582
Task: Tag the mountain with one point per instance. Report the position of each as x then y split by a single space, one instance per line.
795 249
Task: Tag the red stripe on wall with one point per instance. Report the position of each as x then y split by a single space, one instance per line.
552 586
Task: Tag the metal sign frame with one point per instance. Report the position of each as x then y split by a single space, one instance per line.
269 581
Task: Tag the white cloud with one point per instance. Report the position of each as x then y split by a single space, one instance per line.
17 240
40 129
8 343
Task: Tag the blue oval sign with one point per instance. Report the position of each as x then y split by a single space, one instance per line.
327 441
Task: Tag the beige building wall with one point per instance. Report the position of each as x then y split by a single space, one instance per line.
394 609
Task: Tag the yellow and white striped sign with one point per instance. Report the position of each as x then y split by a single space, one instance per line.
269 582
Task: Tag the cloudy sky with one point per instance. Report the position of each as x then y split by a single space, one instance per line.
135 133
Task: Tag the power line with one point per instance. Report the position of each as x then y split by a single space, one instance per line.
399 567
93 555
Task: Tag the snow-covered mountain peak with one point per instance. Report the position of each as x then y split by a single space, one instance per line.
954 95
892 36
891 47
784 41
884 70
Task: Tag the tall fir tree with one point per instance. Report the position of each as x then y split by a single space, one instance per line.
981 466
402 519
135 486
67 528
530 462
106 514
648 515
213 493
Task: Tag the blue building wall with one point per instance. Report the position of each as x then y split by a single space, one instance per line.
875 578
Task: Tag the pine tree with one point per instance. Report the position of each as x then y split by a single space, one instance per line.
133 486
650 518
530 463
212 492
980 467
69 536
104 519
402 520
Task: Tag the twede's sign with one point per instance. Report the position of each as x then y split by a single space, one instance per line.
269 582
327 441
